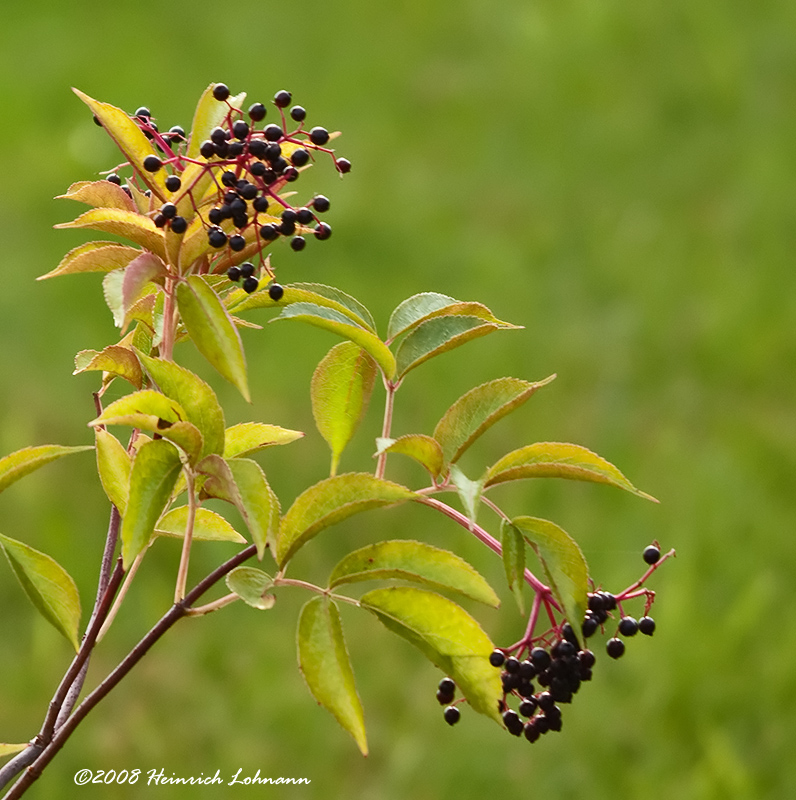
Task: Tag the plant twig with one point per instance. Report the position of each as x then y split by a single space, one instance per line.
381 464
185 556
176 612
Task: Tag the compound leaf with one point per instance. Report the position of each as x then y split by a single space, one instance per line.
447 635
48 585
417 562
558 460
326 667
340 392
331 501
479 409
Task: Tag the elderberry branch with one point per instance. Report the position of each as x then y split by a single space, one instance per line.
389 402
185 556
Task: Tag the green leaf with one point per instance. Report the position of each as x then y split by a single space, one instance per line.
514 560
479 409
565 568
219 481
438 335
417 562
469 492
249 437
209 114
340 391
260 506
99 194
114 360
112 291
209 325
130 139
447 635
198 400
127 224
428 305
21 463
558 460
94 257
252 586
324 663
331 501
423 449
10 749
146 409
113 466
48 585
155 470
316 293
331 320
208 526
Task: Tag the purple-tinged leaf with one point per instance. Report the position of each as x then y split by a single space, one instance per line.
99 194
138 273
114 360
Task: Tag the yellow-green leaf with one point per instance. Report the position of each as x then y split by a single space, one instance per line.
331 320
209 325
340 391
438 335
130 139
99 194
331 501
146 409
565 568
10 749
48 585
447 635
477 410
209 114
513 560
249 437
326 667
127 224
421 448
113 465
16 465
94 257
558 460
208 526
114 360
194 396
417 562
427 305
252 585
260 506
155 469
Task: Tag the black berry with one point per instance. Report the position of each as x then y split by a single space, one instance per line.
173 183
628 626
250 285
343 165
216 237
304 216
652 554
321 204
114 178
513 722
257 112
269 232
319 136
233 273
615 648
300 157
207 149
240 129
237 242
290 174
143 112
298 243
323 231
298 113
168 210
260 204
496 658
275 292
540 657
221 91
152 163
282 99
527 707
512 665
647 626
447 685
257 148
247 269
273 133
179 224
452 715
589 626
160 220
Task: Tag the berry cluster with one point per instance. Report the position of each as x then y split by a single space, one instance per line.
556 664
248 164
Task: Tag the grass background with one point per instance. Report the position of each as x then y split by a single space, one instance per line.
619 179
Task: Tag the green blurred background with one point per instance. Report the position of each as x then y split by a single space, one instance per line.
616 177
